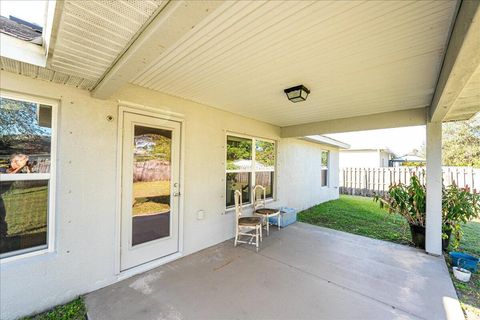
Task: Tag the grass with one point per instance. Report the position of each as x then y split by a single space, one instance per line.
471 238
74 310
469 293
362 216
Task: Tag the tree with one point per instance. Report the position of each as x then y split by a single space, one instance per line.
461 143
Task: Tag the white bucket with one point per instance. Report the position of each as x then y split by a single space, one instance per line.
462 274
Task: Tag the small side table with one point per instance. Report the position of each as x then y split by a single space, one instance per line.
267 213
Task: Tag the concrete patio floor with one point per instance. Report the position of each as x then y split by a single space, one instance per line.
301 272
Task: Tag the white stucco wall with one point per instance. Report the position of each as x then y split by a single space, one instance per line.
300 172
85 250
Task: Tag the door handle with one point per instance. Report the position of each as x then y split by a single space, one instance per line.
176 194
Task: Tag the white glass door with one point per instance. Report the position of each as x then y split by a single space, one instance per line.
150 189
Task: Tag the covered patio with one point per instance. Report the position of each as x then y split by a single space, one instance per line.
194 78
301 272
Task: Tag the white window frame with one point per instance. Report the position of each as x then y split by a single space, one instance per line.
326 170
252 169
30 252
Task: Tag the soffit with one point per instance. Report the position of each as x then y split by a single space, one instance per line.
45 74
92 34
357 58
467 103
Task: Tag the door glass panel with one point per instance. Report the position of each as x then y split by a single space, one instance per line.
151 184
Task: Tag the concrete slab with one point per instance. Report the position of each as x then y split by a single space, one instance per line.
301 272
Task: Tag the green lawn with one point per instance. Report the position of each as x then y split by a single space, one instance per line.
362 216
74 310
358 215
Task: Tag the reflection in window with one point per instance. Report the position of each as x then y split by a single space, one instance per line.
238 181
151 184
265 179
25 152
24 205
239 153
25 137
324 177
247 167
264 155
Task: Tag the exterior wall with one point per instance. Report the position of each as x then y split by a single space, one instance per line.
86 249
299 169
363 159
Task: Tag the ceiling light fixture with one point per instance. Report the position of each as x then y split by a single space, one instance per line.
297 93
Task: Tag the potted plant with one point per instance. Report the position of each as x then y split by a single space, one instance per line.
409 201
459 205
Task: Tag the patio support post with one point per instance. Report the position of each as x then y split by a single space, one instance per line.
433 241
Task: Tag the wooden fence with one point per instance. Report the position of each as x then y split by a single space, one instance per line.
367 181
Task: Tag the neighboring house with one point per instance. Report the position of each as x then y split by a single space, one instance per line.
408 159
365 158
121 90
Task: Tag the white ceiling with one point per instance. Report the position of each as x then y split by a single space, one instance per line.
356 57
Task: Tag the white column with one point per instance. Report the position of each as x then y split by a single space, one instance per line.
433 241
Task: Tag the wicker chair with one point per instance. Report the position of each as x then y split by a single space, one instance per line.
260 209
246 226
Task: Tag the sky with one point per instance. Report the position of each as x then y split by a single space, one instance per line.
29 10
398 140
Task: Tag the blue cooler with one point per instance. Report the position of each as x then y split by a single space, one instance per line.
464 261
289 216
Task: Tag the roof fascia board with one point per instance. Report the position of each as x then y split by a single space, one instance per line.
50 15
23 51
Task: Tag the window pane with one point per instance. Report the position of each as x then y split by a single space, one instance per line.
264 155
239 153
25 137
324 159
151 184
238 181
265 179
23 215
324 178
